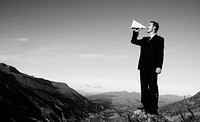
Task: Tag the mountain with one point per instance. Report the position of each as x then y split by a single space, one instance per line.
188 107
84 93
30 99
168 98
125 100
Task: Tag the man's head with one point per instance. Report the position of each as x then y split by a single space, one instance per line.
152 27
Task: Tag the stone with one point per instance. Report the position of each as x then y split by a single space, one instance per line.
141 116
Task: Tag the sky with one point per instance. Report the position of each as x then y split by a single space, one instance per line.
86 43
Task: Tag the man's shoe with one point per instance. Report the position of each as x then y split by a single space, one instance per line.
153 112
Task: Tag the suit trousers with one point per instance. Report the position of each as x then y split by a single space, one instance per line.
149 89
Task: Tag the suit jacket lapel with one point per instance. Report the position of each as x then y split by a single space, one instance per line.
154 37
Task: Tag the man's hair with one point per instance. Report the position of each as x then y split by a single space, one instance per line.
155 24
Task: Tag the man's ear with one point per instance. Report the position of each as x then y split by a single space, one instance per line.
154 27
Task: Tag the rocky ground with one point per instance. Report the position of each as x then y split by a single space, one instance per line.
136 116
110 115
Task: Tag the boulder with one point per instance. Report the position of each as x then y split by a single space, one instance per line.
141 116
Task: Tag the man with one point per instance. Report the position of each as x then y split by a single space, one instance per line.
150 65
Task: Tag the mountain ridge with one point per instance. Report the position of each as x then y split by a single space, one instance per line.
181 106
27 98
130 98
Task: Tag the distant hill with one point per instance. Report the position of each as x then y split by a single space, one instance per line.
125 100
24 98
176 108
169 98
84 93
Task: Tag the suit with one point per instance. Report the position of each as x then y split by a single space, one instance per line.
152 52
151 57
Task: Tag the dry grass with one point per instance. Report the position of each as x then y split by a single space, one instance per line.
189 116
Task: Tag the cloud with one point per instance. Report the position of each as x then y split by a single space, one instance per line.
23 39
102 56
90 86
91 55
118 57
6 57
41 55
15 40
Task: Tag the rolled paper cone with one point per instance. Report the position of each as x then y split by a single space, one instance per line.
137 25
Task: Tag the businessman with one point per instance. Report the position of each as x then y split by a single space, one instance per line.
150 65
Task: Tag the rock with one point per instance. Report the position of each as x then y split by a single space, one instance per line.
114 116
141 116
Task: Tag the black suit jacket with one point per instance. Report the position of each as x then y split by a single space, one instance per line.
152 52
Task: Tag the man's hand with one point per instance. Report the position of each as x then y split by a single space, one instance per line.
137 29
158 70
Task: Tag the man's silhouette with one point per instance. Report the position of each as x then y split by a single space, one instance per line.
150 65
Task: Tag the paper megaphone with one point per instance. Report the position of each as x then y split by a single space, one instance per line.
136 24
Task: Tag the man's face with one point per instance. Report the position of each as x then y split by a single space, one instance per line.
150 27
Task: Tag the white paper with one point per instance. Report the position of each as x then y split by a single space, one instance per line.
136 24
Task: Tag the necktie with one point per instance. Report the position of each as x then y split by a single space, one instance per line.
149 38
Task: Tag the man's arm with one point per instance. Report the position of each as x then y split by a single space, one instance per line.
134 39
160 56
